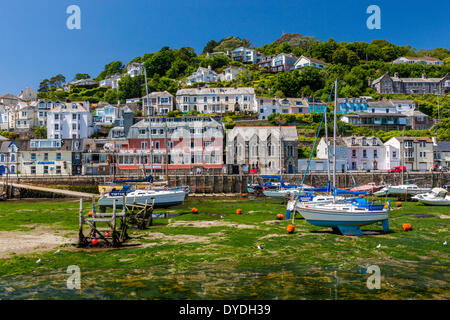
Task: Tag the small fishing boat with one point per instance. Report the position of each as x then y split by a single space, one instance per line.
436 197
162 198
401 190
370 188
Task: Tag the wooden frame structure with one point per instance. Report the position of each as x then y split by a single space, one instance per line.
115 224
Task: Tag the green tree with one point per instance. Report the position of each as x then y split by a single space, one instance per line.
40 133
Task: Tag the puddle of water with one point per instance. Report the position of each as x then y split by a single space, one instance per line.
289 282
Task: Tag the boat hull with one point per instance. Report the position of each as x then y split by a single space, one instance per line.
347 223
162 200
441 202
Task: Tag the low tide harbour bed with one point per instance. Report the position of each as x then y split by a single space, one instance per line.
219 254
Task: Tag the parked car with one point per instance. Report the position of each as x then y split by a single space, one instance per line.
398 169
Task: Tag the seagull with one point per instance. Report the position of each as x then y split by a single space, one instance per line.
38 261
379 246
58 251
445 243
259 247
221 217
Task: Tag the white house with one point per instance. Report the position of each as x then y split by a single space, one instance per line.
267 106
365 153
422 60
203 75
283 62
106 115
230 73
216 100
112 81
159 103
403 105
70 120
135 69
303 62
246 55
325 150
415 153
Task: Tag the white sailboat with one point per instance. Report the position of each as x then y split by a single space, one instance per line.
343 217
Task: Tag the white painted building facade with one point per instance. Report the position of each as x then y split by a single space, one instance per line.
70 120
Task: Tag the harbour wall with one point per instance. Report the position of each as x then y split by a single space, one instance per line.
217 184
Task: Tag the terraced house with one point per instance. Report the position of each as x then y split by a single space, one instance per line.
216 100
395 84
70 120
180 143
416 153
47 157
365 153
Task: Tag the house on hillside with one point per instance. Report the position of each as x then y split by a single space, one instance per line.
216 100
202 75
246 55
159 103
283 62
395 84
9 157
28 95
303 62
421 60
70 120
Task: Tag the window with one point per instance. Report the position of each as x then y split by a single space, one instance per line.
33 156
58 169
45 156
144 145
354 153
394 154
141 131
157 144
56 126
56 116
45 169
364 153
375 153
58 156
74 116
74 126
33 170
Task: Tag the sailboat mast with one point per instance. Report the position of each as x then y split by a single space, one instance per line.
334 138
149 122
327 143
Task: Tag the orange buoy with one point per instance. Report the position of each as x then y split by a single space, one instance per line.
244 195
399 204
407 227
194 210
94 241
280 217
90 213
290 228
238 211
108 234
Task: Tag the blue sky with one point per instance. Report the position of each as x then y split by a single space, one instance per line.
38 45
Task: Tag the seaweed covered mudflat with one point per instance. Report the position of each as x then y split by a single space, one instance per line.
218 254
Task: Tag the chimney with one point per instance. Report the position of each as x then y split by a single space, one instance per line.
128 119
434 141
424 76
396 75
209 67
